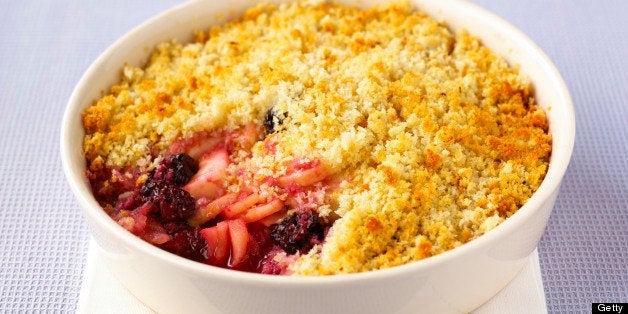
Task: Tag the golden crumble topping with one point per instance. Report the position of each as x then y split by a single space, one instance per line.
436 139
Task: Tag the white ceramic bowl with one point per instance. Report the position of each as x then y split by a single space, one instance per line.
455 281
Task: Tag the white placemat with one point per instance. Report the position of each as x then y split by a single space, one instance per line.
101 293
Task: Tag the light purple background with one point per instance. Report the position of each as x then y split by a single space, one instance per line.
45 46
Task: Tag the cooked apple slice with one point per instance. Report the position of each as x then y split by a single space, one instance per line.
217 238
197 145
239 239
245 137
139 218
258 212
305 177
209 211
240 206
273 219
203 146
154 232
213 165
208 181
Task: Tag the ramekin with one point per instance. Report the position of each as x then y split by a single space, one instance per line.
456 281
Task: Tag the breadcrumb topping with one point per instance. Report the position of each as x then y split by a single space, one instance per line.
433 139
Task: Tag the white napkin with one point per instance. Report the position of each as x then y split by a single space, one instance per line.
101 293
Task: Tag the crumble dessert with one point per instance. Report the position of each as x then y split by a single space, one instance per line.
313 138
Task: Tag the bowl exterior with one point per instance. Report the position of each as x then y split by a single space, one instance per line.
456 285
453 282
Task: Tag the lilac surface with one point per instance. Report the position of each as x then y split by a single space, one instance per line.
47 45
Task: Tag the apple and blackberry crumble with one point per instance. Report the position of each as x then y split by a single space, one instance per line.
313 138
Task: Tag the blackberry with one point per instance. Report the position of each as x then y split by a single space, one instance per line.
176 169
173 227
151 187
272 120
172 202
163 188
187 243
299 232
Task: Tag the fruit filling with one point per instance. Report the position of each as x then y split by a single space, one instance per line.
212 208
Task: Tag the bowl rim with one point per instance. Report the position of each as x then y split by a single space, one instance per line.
557 167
